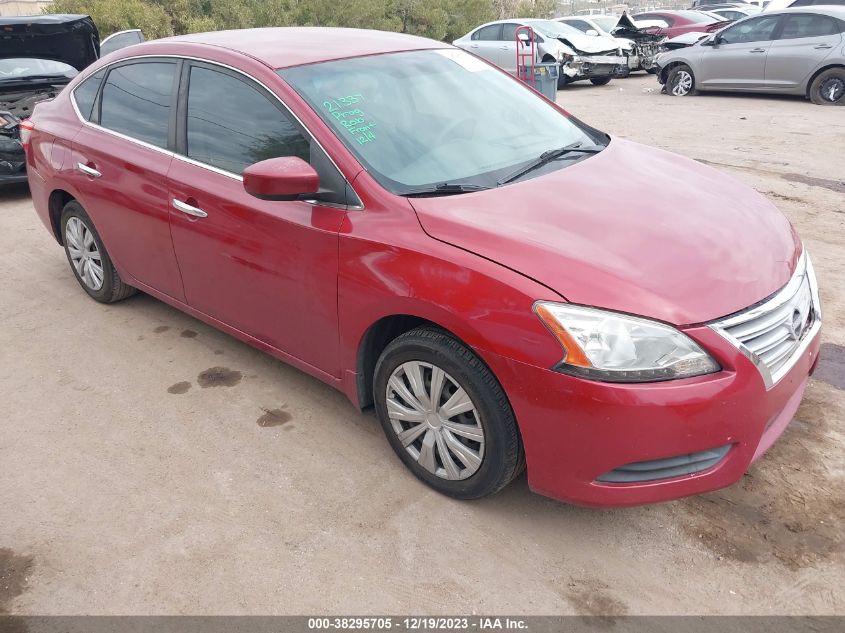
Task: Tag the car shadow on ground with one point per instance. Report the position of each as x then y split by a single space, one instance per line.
14 193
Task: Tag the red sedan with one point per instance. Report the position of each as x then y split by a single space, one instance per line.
680 22
506 285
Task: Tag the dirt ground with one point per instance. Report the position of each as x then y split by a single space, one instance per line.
150 464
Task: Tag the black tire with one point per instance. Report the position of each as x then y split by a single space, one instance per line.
676 76
113 288
503 457
829 87
650 71
562 81
600 81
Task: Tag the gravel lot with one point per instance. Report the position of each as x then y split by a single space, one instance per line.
132 483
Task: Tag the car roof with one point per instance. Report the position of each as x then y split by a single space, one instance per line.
837 11
54 18
283 47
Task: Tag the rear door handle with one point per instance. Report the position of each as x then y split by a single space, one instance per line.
757 50
823 46
88 171
188 209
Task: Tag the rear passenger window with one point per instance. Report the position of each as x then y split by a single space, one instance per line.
232 125
808 25
137 99
86 92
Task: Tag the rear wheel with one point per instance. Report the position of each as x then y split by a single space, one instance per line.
600 81
88 257
680 82
829 87
446 416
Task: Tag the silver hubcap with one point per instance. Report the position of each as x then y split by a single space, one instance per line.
683 83
84 253
435 420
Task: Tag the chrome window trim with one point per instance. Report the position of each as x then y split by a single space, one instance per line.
781 297
197 163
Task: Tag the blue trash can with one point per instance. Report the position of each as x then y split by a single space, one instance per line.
544 80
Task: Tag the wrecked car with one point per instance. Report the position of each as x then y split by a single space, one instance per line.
601 25
646 43
597 58
39 55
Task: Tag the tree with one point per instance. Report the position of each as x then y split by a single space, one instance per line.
437 19
118 15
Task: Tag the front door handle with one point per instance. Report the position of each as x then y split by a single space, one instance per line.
88 171
188 209
823 46
757 50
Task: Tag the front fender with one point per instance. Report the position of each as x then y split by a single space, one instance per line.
487 306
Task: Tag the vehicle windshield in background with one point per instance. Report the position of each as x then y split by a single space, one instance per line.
696 16
24 68
425 118
606 23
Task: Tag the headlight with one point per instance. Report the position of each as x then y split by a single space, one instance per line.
613 347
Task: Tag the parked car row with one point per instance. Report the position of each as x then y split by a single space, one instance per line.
580 56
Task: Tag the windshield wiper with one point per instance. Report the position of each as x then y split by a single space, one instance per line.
547 157
25 78
445 189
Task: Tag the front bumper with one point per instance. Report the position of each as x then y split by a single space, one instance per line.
589 66
576 431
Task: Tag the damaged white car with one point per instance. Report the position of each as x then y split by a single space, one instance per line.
580 56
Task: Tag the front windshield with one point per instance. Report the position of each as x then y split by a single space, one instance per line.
550 28
605 23
422 118
22 67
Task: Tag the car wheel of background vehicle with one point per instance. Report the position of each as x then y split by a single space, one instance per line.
562 81
829 87
680 82
446 416
651 71
600 81
89 259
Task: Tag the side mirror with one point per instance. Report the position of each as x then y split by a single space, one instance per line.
713 41
284 178
592 32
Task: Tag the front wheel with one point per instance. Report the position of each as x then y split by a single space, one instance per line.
680 82
446 416
829 87
600 81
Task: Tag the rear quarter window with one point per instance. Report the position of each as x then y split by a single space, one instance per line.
85 94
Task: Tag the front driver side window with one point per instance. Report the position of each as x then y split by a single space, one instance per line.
231 125
760 29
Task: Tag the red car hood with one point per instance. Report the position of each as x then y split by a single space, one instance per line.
634 229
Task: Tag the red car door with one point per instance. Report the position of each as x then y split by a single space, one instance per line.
268 269
120 160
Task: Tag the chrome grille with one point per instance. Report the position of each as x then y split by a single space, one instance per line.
774 333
